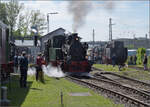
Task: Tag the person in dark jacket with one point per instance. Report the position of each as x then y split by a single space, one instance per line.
131 60
23 70
113 60
135 58
145 62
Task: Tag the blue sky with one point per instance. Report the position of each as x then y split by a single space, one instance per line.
130 18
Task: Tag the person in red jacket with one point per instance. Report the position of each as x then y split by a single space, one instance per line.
39 72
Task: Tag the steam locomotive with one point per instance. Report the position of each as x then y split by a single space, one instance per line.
111 49
69 53
117 49
6 52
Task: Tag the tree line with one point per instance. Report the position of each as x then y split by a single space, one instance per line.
12 14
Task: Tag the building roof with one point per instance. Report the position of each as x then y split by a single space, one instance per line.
26 43
53 32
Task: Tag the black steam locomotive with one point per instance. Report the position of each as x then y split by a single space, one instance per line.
68 52
114 49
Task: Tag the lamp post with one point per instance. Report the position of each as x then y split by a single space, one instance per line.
110 29
48 20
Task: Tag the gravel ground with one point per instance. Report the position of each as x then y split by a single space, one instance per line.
118 89
115 99
130 83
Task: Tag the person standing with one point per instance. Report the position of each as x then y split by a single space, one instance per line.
131 60
113 60
145 62
23 70
100 59
16 63
39 72
135 58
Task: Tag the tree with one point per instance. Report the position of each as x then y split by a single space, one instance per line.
29 19
3 13
38 19
140 55
19 26
27 24
13 9
149 61
10 12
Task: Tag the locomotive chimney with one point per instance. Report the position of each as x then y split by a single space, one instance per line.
75 34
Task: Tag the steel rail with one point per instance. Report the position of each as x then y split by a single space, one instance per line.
122 96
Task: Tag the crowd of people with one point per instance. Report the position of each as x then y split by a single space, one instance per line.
21 63
95 58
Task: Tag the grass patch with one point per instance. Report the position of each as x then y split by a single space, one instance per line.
111 68
140 75
137 74
48 95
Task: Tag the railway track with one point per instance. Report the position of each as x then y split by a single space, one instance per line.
125 80
126 95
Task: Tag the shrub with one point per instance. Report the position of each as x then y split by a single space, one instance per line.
149 61
140 55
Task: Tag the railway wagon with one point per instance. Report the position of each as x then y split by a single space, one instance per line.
6 65
67 52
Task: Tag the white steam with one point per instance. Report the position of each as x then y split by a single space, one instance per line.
31 71
48 70
53 71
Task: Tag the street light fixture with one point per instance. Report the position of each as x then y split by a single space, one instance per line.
48 20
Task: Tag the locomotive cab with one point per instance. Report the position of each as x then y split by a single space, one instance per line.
53 49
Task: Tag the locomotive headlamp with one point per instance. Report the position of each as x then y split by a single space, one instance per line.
77 39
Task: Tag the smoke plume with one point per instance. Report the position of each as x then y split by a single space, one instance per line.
79 10
109 5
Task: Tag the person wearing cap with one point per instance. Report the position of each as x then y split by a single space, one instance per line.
23 70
